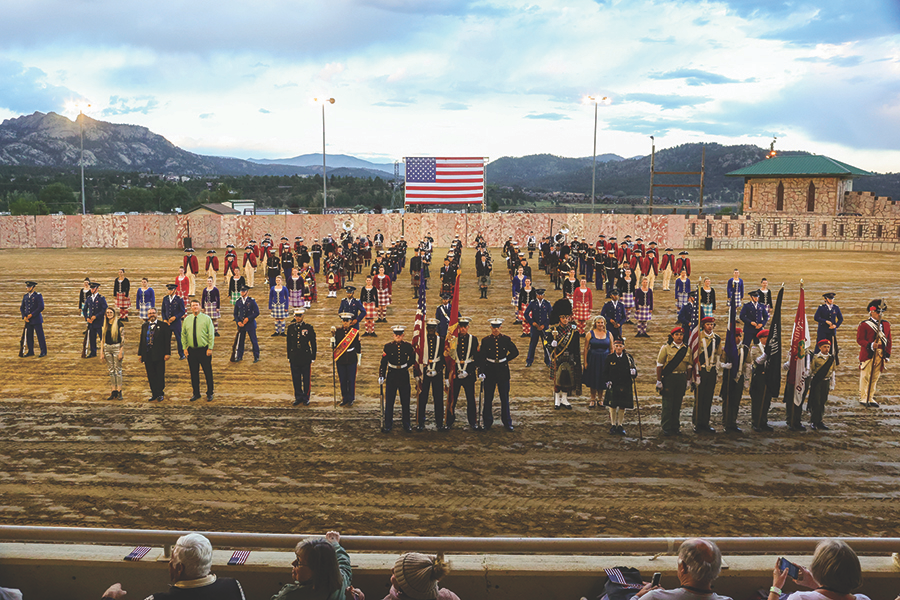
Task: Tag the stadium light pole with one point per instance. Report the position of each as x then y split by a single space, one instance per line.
606 100
323 102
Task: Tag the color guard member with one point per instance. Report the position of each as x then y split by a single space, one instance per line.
494 356
347 355
301 353
396 359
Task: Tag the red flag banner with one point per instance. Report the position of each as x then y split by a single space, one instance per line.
444 180
799 360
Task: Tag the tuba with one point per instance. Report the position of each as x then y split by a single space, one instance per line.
348 225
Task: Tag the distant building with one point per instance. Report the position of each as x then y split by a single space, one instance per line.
804 184
212 209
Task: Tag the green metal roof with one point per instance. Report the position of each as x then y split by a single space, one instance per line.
801 165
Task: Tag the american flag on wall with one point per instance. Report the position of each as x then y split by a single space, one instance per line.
444 180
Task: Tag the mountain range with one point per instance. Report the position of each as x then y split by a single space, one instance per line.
52 140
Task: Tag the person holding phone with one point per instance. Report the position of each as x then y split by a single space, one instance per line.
833 575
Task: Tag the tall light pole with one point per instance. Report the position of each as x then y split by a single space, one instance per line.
323 102
596 101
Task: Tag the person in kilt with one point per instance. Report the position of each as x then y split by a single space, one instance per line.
582 306
309 280
569 284
643 303
121 289
235 284
518 282
627 285
383 284
682 289
619 373
183 285
295 285
565 354
146 299
211 303
278 304
415 271
707 299
368 295
526 295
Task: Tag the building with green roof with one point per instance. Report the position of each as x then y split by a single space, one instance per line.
798 184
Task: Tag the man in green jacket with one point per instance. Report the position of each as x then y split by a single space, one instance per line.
198 337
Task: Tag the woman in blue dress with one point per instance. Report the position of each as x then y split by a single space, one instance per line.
595 352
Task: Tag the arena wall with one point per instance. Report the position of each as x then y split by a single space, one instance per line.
878 232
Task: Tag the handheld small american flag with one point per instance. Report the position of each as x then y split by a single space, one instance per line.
444 180
694 340
138 553
418 340
239 557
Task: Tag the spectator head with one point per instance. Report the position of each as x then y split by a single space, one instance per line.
836 567
191 558
417 575
699 562
317 565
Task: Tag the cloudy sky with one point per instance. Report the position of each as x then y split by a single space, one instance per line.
487 77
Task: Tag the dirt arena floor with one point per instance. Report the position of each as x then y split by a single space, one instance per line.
249 461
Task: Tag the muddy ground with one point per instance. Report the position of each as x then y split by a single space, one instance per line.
249 461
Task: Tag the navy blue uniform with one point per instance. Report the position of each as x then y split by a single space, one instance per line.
442 314
246 308
301 352
346 364
493 358
396 360
355 307
828 313
537 314
95 306
614 312
434 359
32 307
753 312
173 306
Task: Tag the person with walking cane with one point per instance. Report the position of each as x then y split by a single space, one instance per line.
619 373
347 356
301 352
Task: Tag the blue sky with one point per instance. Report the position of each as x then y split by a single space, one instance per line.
488 77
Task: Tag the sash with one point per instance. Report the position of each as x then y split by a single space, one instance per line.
345 343
676 360
820 374
562 344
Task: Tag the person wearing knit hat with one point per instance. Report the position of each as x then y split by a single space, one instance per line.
416 576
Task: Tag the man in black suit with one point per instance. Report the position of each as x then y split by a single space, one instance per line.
155 348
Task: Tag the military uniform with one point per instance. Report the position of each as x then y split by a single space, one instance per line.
396 359
191 268
494 356
820 382
464 359
246 308
732 388
347 354
874 339
710 355
31 308
301 352
760 395
431 377
672 384
172 312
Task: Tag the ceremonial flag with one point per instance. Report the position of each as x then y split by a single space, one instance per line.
773 349
418 339
731 349
694 339
444 180
799 360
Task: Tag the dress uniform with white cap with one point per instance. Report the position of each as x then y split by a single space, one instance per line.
353 306
301 352
31 309
431 377
396 359
347 356
496 352
464 358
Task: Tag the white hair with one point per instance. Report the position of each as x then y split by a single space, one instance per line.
195 552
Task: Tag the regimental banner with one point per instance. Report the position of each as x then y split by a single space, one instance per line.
444 180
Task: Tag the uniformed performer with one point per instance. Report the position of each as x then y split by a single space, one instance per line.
614 313
672 366
415 271
463 360
820 383
308 274
765 294
383 284
707 299
760 395
682 290
565 354
301 353
347 355
121 290
211 303
483 269
212 266
316 250
494 355
430 377
396 359
273 268
643 307
735 289
368 295
667 267
874 338
249 265
612 270
526 296
569 284
353 306
619 373
173 311
755 316
94 313
710 361
683 263
829 318
231 262
84 292
31 309
191 268
734 379
246 310
145 298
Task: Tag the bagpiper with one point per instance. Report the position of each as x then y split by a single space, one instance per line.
565 354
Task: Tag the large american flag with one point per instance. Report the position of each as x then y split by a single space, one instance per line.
444 180
418 339
694 339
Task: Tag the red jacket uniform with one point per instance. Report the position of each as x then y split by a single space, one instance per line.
191 265
212 261
668 260
249 257
230 262
683 263
865 337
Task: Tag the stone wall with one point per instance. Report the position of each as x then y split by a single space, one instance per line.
760 195
869 205
777 230
794 231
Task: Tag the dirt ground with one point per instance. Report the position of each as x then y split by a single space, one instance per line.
249 461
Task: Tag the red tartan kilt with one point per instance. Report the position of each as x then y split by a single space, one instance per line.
370 309
581 312
384 297
123 301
